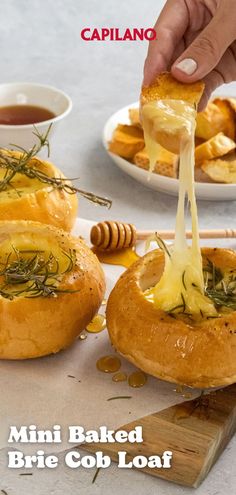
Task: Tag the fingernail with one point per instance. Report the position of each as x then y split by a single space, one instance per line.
188 65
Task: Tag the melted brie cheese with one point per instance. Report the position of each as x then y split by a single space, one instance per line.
27 246
181 288
169 116
21 185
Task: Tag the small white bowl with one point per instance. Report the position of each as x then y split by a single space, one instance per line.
34 94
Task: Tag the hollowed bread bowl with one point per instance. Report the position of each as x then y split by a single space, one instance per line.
198 354
32 324
30 199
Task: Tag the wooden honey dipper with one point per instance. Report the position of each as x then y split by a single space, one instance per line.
111 235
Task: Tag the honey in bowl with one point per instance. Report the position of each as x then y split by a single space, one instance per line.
24 114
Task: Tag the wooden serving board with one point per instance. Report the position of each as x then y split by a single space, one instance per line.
196 431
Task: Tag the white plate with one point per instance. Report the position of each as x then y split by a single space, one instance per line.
208 191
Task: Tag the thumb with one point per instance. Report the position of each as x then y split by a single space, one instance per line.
203 55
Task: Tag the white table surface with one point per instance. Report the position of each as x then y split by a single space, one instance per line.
40 42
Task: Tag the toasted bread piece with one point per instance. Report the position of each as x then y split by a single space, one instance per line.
214 120
232 103
167 163
134 117
141 159
127 140
215 147
229 116
163 155
165 87
166 169
201 176
221 170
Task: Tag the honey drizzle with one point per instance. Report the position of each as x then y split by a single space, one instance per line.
108 364
123 257
179 389
97 324
119 377
137 379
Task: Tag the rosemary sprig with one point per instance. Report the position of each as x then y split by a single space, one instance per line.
212 274
34 276
21 165
161 244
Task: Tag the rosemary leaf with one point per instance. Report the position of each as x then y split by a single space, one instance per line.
162 245
183 280
120 397
95 476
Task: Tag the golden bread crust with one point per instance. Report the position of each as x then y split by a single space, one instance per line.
166 87
222 171
165 165
126 141
215 147
46 205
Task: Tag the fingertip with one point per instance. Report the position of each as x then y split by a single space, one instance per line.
148 73
147 80
149 77
182 76
153 66
179 75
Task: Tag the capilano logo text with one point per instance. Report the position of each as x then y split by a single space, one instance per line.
116 34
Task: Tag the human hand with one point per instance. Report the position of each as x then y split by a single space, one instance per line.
196 39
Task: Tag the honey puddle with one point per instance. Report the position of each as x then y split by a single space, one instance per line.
200 407
179 389
137 379
108 364
184 410
187 395
97 324
119 377
123 257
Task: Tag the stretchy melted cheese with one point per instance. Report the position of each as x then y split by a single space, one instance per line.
181 288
